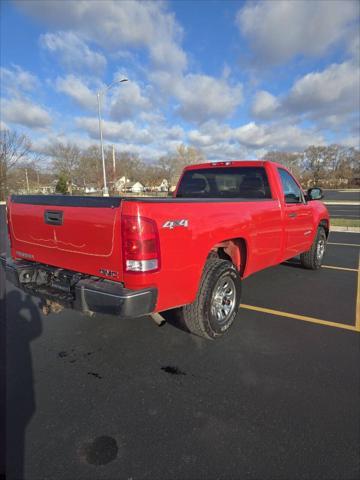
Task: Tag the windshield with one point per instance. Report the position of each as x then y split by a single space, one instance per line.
231 182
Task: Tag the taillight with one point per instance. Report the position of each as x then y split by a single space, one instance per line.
8 221
141 248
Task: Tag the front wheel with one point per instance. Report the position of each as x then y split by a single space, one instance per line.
217 301
312 259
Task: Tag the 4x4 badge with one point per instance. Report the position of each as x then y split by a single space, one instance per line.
176 223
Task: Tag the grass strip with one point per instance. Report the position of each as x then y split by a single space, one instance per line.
345 222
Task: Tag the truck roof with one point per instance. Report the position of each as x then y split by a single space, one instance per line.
229 163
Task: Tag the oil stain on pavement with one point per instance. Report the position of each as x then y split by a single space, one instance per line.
101 450
172 370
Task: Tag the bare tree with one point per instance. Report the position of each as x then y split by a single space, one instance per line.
66 158
172 165
14 147
129 165
89 170
290 160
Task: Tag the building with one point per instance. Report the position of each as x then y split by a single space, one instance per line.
134 187
163 187
119 185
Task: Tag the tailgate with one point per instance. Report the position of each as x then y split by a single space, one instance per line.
76 233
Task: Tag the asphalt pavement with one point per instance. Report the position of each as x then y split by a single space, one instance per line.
350 212
276 398
342 195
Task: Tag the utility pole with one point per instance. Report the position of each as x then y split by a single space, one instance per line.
98 95
106 191
27 180
114 168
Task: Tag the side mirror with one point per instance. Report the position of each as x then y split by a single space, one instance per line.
314 194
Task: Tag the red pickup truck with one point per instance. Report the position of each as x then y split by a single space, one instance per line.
138 256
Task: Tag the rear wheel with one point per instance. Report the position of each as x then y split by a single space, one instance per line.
312 259
217 301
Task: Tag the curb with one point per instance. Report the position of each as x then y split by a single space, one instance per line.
345 229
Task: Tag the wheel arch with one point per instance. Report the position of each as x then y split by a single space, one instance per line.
235 250
325 224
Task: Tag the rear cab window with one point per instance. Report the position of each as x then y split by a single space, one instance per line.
225 182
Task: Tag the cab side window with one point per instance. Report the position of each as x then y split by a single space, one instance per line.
292 191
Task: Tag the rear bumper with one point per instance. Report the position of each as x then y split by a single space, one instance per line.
72 290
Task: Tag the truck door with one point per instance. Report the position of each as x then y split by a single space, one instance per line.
298 224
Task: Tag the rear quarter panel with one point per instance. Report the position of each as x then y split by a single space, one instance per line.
184 250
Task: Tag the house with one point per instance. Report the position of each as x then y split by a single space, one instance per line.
134 187
163 187
119 185
47 189
91 189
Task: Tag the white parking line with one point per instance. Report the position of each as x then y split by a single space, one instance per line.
344 244
346 269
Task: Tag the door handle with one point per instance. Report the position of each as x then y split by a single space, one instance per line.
292 215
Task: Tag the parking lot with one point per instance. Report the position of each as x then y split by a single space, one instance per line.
278 397
349 212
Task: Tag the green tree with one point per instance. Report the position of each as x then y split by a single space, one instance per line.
62 185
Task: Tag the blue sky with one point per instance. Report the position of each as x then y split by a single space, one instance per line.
234 79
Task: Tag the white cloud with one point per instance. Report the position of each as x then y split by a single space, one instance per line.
276 137
124 100
127 101
201 97
329 97
210 133
171 133
351 141
76 89
150 142
278 30
168 56
3 126
115 131
42 144
118 24
15 79
135 24
251 137
264 105
227 151
354 47
72 51
335 89
24 112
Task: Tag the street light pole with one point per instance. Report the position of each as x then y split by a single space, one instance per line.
27 181
106 191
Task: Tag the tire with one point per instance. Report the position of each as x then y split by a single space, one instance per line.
312 259
217 301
